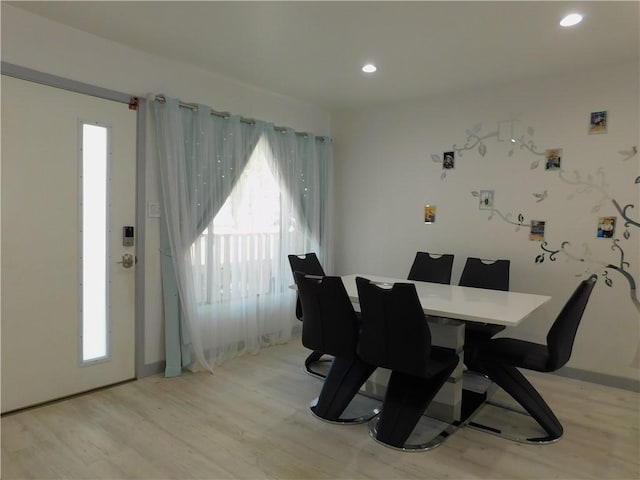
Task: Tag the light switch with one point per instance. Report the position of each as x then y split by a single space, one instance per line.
153 210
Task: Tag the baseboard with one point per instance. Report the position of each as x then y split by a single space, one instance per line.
630 384
152 369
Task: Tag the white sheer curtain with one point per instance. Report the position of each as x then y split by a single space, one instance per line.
237 199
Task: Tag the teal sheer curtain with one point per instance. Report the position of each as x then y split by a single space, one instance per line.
201 158
227 294
304 166
177 343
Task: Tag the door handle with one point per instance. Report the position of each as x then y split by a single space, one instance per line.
127 260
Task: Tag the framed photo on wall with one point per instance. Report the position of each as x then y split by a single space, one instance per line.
449 160
486 199
606 227
537 230
429 214
553 157
598 122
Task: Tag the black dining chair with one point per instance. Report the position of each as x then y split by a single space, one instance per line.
395 335
330 325
432 268
500 359
309 264
480 273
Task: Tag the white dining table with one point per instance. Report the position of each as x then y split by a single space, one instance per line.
462 303
448 309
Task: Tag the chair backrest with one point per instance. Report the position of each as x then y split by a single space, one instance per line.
394 333
563 331
309 264
491 274
430 268
329 322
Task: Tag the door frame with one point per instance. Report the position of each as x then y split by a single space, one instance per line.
36 76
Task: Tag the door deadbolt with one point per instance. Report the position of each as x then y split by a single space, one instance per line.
127 260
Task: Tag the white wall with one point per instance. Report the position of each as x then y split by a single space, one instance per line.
37 43
385 176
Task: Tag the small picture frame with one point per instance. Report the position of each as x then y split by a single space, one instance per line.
553 158
449 160
486 199
505 131
537 230
606 227
429 214
598 122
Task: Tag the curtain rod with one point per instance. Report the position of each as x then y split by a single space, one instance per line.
226 115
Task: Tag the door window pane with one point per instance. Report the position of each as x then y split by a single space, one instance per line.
95 209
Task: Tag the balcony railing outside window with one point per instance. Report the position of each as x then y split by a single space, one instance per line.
234 265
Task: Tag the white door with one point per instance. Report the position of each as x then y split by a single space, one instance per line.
68 189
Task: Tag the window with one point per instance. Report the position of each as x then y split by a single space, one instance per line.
238 253
94 230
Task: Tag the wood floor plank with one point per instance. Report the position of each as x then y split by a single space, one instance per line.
250 420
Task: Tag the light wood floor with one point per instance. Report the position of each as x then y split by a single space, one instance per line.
250 420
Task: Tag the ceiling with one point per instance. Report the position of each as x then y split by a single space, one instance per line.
314 50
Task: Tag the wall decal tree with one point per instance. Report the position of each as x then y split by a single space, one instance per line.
590 183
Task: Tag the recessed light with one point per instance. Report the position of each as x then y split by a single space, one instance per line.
571 20
369 68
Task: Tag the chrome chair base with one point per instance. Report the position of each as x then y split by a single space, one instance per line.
546 440
313 359
424 445
364 418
